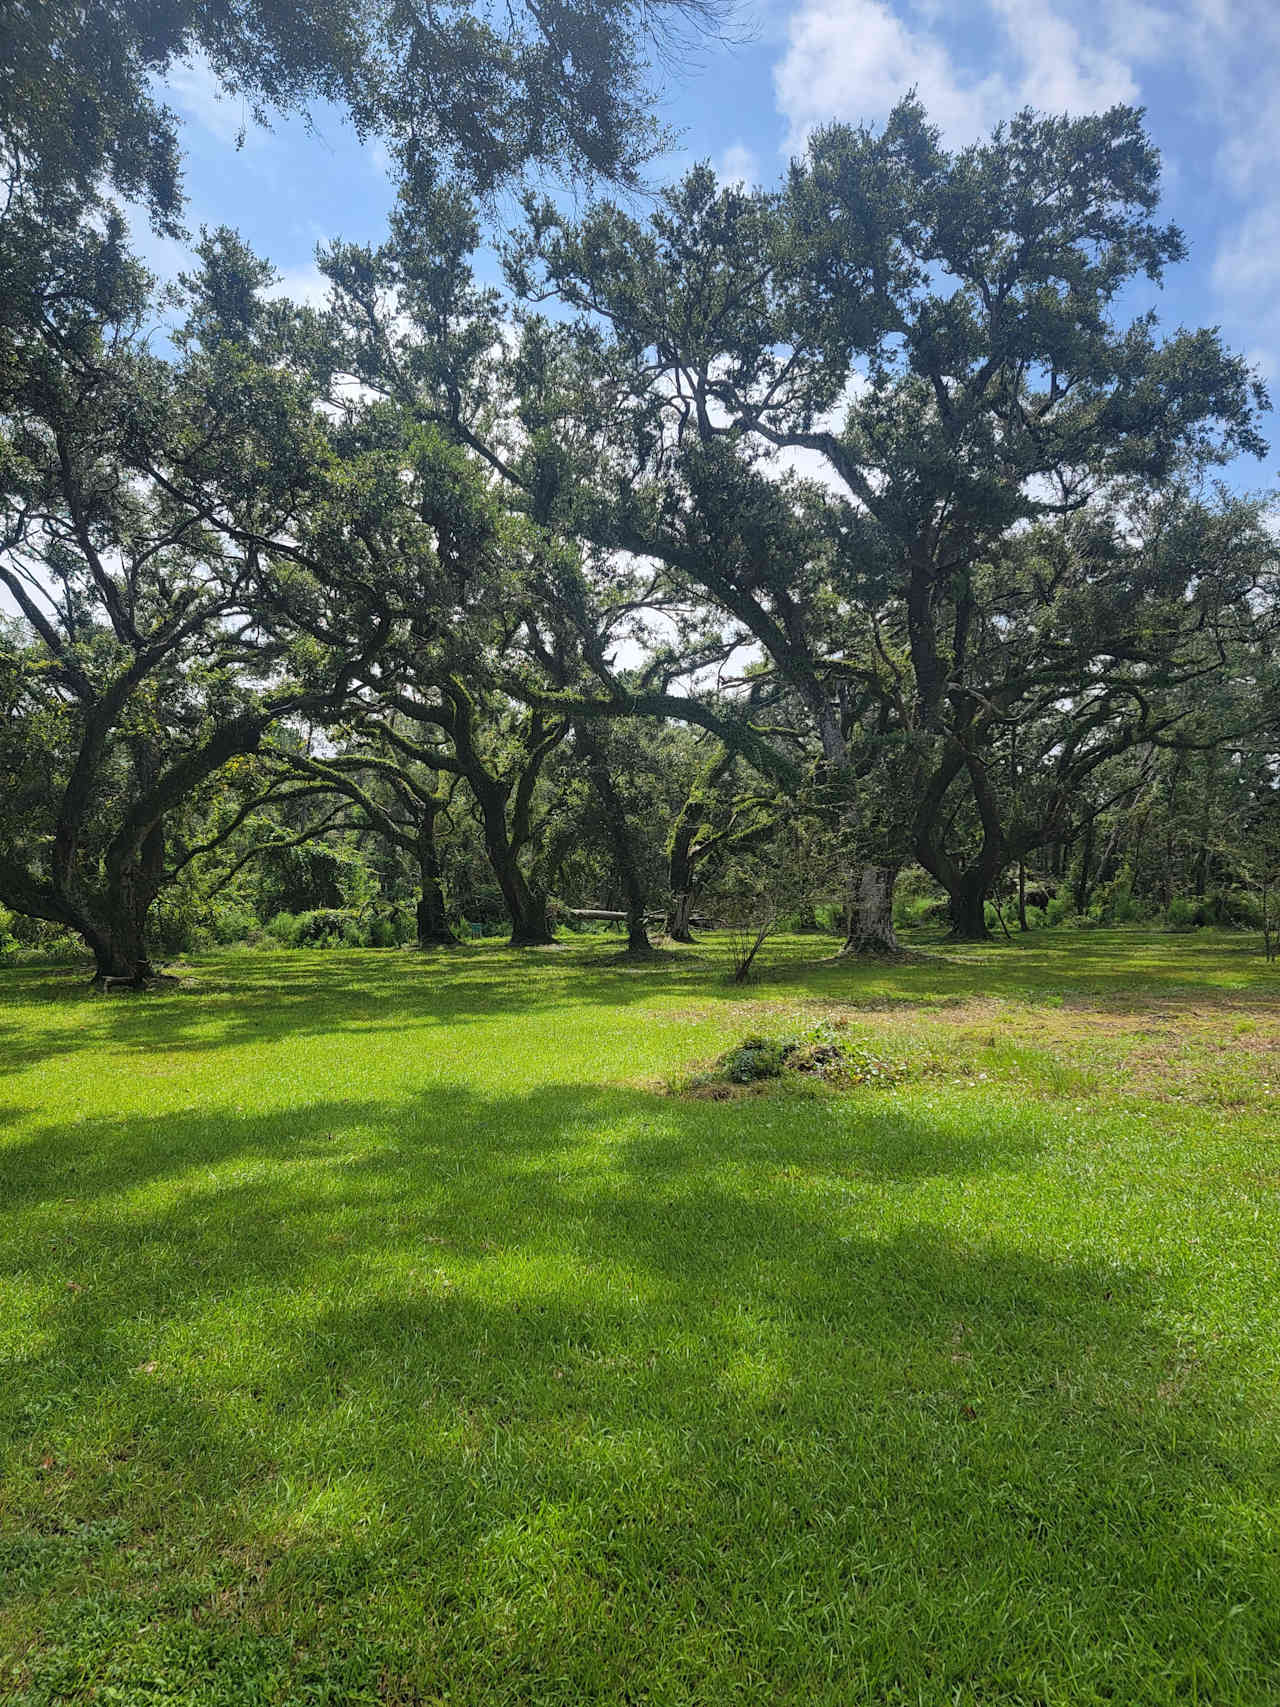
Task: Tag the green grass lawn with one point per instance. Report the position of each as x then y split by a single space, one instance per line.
378 1328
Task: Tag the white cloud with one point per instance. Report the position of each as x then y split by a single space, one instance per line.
1248 259
1234 46
306 285
1058 72
1245 274
196 93
739 167
852 59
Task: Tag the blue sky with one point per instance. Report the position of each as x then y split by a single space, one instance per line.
1207 71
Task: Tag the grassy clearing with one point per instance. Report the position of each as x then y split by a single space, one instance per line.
377 1329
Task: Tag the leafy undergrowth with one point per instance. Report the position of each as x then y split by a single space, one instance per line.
369 1333
824 1053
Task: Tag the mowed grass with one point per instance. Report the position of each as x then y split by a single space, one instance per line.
378 1328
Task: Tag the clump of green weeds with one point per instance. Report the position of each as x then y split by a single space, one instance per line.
824 1052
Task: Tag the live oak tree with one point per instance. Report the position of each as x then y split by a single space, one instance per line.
934 334
1082 639
498 749
862 478
154 514
449 570
532 634
140 575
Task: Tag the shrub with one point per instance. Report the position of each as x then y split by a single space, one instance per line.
391 929
1181 914
283 929
1232 909
342 927
8 942
1125 908
233 921
175 926
39 939
327 927
1085 921
911 910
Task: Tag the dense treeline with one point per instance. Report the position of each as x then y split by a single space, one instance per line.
742 556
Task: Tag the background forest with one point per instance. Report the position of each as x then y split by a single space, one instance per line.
836 552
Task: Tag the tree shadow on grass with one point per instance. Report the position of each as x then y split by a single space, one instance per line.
472 1140
241 1000
246 999
590 1395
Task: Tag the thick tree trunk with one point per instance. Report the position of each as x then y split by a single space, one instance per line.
871 913
526 910
119 942
1203 851
680 874
433 926
966 887
118 933
120 956
968 909
433 922
678 916
681 862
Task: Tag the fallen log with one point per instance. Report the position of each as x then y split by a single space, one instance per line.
610 917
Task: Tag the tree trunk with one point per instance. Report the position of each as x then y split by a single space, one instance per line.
871 913
119 942
526 909
678 916
433 922
621 840
680 859
433 926
968 909
1202 857
966 888
119 954
1022 896
1082 885
118 937
680 879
